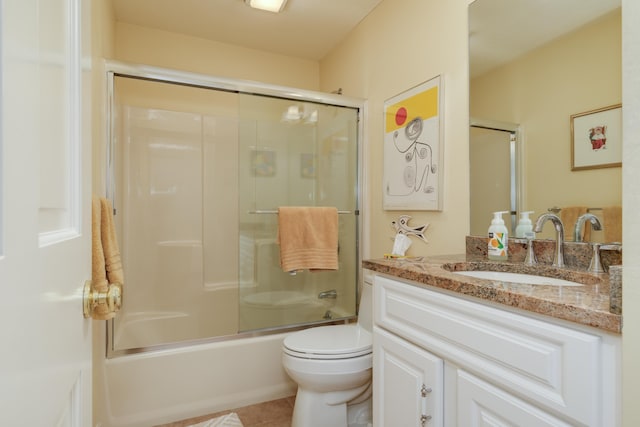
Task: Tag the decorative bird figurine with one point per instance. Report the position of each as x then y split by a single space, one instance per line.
401 225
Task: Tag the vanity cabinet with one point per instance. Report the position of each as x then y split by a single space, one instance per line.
412 379
486 365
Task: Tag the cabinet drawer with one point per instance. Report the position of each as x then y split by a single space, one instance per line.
554 366
481 404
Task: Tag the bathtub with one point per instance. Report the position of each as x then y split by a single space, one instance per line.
165 385
146 389
189 379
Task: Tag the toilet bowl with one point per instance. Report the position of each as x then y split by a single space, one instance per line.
332 367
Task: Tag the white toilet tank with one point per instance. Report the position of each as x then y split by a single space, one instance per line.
365 311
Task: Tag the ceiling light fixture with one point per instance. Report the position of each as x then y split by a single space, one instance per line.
270 5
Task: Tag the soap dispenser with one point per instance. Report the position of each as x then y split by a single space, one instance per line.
524 230
498 238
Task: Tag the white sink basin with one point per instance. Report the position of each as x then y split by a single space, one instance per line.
528 279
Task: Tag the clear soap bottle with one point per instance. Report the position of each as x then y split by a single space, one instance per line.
525 227
498 238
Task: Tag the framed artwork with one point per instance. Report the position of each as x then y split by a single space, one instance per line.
596 138
307 165
413 148
263 162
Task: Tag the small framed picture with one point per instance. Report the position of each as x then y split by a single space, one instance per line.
596 138
307 165
263 162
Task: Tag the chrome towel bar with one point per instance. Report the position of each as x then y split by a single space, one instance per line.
260 212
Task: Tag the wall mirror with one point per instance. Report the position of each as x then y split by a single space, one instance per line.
532 66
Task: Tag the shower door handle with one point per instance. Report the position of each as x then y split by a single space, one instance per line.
109 302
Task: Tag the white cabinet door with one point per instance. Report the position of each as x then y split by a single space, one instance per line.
45 205
481 404
408 384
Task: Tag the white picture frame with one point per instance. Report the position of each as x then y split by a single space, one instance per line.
413 148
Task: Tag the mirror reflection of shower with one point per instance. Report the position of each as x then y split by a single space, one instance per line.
197 174
495 181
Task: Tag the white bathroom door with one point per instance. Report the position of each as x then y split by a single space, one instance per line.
45 229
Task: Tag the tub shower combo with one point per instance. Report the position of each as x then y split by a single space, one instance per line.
197 168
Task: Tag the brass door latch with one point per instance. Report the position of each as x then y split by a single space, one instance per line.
92 299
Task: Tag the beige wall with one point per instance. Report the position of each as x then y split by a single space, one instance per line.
139 45
540 91
399 45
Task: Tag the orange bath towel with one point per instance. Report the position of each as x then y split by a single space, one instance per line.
106 265
569 216
612 227
98 267
308 238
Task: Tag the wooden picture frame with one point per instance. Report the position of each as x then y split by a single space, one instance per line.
596 138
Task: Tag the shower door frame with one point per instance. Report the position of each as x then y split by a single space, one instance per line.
115 69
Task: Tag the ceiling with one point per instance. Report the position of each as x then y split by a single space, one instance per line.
312 28
305 29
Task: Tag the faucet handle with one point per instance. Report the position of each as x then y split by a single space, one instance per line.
595 266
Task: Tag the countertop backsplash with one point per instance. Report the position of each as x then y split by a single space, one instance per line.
576 254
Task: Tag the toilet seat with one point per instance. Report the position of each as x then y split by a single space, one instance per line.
329 342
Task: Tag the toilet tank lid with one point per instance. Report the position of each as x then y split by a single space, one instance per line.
334 339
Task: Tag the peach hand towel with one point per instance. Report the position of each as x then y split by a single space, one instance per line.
112 260
106 265
308 238
569 216
98 268
612 227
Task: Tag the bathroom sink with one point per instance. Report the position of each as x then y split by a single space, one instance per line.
529 279
541 275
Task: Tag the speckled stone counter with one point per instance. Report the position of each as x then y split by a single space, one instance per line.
586 305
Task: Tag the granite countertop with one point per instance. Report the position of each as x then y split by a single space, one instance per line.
587 305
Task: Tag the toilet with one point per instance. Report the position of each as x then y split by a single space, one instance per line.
332 367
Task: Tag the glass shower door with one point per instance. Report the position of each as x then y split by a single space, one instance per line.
196 175
294 154
175 193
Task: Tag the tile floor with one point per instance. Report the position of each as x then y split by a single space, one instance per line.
276 413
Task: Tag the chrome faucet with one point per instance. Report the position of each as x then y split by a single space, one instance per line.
558 256
332 294
595 224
